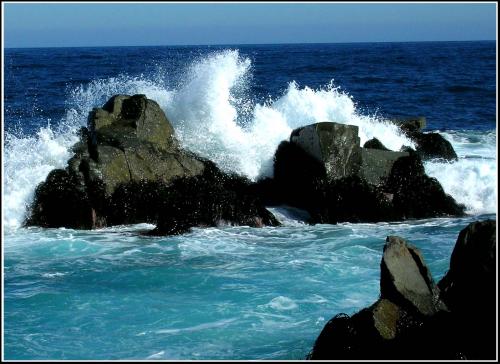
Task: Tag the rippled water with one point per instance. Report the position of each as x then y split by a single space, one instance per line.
233 292
225 293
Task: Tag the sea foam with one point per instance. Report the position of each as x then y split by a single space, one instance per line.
214 115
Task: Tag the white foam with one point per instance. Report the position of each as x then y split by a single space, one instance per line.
52 275
28 161
205 326
282 303
205 110
472 180
290 216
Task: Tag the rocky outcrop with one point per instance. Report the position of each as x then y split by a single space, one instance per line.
454 319
130 140
428 145
469 289
405 279
416 195
335 146
211 199
324 170
128 167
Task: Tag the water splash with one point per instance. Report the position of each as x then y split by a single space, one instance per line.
213 114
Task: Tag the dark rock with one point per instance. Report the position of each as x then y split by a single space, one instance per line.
472 267
324 171
428 145
335 146
454 320
352 199
374 144
410 124
298 178
128 168
62 201
405 278
376 165
469 289
434 146
417 195
211 199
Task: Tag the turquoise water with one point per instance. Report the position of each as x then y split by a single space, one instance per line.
225 293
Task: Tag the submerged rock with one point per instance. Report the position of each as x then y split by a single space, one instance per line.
454 319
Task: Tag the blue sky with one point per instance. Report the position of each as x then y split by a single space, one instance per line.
121 24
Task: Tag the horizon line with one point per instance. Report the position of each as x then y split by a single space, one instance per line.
250 44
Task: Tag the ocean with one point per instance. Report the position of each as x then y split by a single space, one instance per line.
228 292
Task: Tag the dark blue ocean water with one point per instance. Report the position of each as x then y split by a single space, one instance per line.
453 84
228 292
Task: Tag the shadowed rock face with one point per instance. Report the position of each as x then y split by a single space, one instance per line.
454 320
211 199
417 195
469 288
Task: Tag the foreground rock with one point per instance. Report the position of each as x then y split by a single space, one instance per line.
469 289
417 319
324 170
126 169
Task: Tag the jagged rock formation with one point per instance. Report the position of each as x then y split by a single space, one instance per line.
324 170
428 145
454 319
128 167
122 171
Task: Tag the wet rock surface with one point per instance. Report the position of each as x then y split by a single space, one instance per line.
417 319
126 168
323 170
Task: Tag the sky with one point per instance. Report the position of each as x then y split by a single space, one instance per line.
138 24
